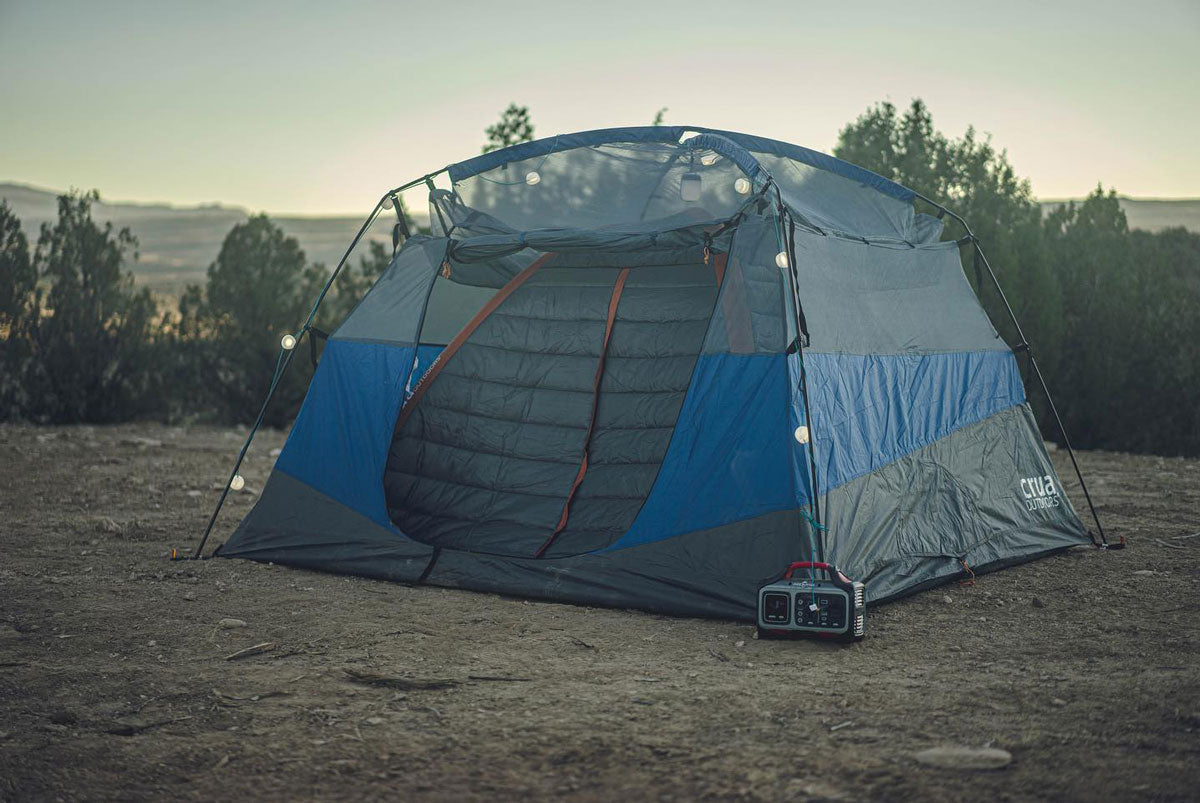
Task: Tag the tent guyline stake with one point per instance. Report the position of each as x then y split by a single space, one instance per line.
285 355
1024 345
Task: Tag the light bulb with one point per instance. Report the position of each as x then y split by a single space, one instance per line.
709 159
801 434
532 177
781 259
742 186
387 202
237 483
288 342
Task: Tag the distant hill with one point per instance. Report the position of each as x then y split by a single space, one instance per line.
1152 214
177 243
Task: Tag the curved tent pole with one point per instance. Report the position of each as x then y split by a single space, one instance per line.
285 355
1024 345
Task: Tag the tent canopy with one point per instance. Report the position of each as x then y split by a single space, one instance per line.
631 370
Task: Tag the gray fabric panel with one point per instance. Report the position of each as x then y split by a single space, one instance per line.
711 573
391 311
960 498
498 437
294 523
862 299
839 204
753 312
488 456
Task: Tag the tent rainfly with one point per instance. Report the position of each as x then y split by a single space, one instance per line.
651 367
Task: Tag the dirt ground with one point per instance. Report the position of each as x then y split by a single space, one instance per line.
116 680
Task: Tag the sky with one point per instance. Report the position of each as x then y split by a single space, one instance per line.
319 107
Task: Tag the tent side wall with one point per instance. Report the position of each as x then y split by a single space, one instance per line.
925 445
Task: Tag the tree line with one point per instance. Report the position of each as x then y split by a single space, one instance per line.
79 343
1113 314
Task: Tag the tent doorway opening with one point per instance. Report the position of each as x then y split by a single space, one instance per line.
540 427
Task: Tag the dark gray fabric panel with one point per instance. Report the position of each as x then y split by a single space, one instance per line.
714 573
862 299
962 498
392 310
489 454
753 314
296 524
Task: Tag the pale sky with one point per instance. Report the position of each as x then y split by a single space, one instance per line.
318 107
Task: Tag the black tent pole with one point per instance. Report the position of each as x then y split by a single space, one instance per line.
787 224
285 355
1036 369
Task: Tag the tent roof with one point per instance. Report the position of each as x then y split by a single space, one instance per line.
740 148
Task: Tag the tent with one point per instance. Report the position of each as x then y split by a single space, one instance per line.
651 367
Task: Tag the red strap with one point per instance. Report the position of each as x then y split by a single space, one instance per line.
719 267
468 330
583 463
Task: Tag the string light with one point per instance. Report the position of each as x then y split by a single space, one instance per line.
781 259
801 434
288 342
387 202
237 483
742 186
532 177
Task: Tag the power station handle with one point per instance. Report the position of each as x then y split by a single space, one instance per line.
807 564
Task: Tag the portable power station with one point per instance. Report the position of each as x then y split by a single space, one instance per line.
808 607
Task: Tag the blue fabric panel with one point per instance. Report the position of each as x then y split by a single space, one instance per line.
671 134
730 456
339 442
869 410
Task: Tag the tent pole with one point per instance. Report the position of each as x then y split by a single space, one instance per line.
789 243
1036 369
285 356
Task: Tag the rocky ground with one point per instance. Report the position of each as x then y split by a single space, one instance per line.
125 675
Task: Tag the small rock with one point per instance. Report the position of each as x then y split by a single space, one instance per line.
195 494
1058 701
374 720
1145 573
228 624
141 443
276 452
190 596
965 758
1037 603
739 643
946 599
105 524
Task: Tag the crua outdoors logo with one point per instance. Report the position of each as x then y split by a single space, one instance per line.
1039 492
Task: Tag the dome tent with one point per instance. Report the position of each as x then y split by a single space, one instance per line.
651 367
